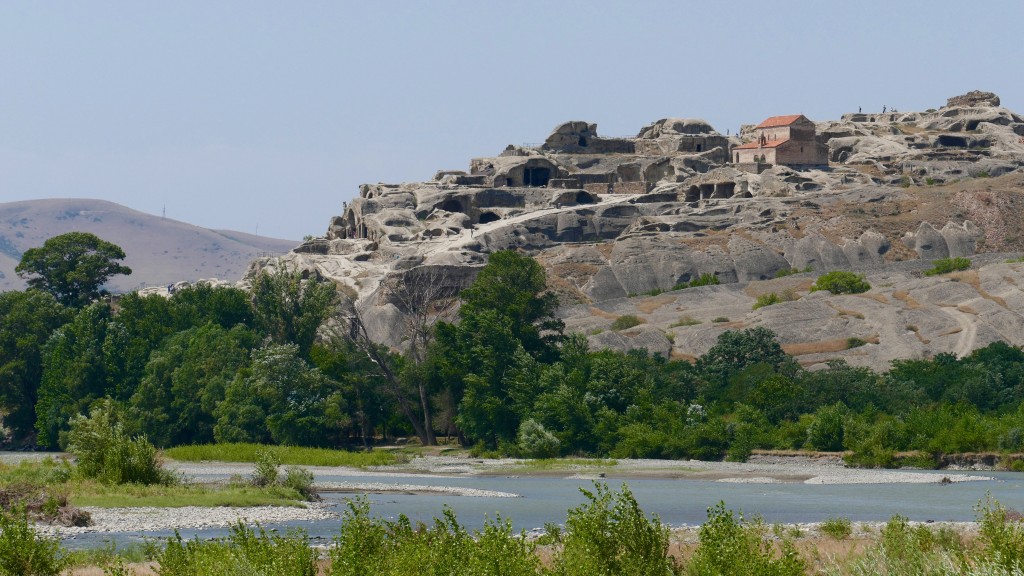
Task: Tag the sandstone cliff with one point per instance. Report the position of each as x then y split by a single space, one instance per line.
613 219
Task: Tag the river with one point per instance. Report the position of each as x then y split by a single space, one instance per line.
676 501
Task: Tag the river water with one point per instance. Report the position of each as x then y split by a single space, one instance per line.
676 501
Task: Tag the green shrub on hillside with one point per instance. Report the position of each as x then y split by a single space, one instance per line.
705 279
625 322
767 300
841 282
947 265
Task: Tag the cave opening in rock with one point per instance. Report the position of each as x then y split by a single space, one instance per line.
536 176
585 198
452 205
582 142
952 141
692 194
486 217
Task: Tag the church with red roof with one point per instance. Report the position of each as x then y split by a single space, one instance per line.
782 140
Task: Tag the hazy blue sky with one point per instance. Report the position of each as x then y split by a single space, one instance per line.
238 114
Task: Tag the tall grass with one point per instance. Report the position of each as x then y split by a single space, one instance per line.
245 452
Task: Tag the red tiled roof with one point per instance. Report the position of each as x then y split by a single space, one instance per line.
756 144
775 121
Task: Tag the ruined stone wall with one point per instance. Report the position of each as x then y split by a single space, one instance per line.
618 188
797 152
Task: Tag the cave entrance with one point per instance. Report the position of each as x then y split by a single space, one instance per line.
486 217
692 194
452 206
585 198
536 176
952 141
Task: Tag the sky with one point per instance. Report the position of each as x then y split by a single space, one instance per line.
265 116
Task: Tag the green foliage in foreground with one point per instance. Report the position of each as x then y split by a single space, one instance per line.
731 545
947 265
244 452
246 551
841 282
368 545
24 552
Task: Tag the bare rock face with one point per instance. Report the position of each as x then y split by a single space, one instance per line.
973 98
951 242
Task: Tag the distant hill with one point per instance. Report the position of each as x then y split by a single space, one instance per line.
159 250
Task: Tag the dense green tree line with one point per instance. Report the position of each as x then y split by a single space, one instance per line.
288 362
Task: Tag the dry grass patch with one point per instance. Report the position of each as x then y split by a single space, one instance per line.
823 346
595 311
675 355
845 312
649 305
968 309
880 298
908 301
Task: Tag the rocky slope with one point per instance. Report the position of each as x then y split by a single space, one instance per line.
613 219
159 251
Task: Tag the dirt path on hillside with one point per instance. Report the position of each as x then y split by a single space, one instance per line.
968 331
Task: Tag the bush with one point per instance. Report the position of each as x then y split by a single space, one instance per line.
841 282
731 546
790 271
685 321
827 430
627 321
720 319
264 473
22 551
947 265
300 480
1002 536
705 279
535 441
106 452
838 528
368 545
767 300
854 342
610 534
245 551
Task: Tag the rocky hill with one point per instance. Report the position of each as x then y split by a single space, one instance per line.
159 251
621 223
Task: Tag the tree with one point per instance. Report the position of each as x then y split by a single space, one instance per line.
281 399
74 374
425 295
185 380
200 303
507 309
72 267
514 287
291 309
26 321
735 350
